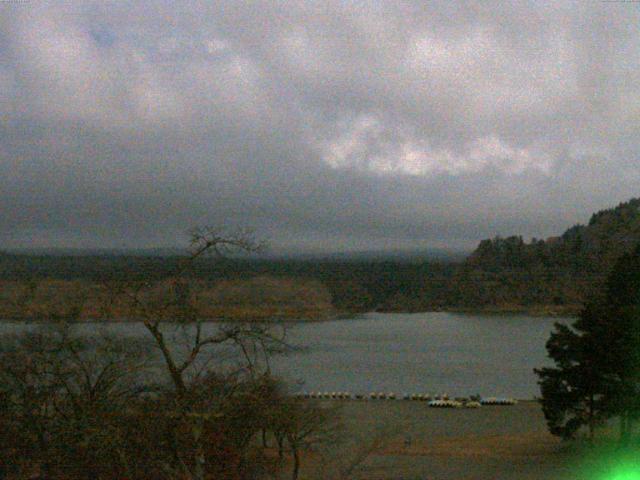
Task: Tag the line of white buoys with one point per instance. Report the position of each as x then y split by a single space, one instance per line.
420 397
498 401
331 395
343 395
445 404
442 400
378 396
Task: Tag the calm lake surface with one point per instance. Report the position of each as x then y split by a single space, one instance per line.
432 352
458 354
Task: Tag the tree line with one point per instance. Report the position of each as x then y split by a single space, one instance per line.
353 286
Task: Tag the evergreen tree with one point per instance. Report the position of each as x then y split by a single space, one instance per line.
597 359
622 311
573 391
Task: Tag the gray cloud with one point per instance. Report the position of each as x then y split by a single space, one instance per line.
324 125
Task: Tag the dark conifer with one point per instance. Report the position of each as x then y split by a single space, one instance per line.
597 359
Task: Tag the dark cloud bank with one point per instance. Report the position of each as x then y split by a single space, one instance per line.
326 126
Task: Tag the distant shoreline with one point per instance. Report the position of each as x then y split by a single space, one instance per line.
497 310
538 311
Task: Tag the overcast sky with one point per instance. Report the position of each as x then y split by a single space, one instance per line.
323 125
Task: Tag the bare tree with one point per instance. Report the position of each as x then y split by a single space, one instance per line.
174 303
306 426
62 394
171 305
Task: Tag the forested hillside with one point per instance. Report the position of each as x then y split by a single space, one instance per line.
553 275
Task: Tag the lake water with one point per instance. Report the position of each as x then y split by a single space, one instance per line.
413 353
421 353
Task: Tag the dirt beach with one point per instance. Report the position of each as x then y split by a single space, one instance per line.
417 442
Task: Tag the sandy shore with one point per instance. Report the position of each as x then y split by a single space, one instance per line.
405 440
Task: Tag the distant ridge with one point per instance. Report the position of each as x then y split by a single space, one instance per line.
91 252
428 254
363 255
